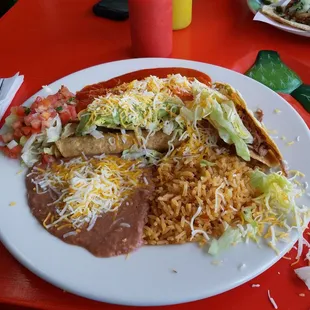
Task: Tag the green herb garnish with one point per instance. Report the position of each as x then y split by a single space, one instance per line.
58 109
71 99
27 110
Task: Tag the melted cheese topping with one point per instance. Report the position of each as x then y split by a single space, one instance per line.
87 188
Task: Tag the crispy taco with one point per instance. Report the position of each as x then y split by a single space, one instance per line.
295 14
263 147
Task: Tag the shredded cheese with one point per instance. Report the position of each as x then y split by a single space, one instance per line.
87 188
197 231
272 300
290 143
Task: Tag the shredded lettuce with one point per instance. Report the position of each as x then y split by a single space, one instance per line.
230 237
29 156
68 131
276 189
205 163
130 112
247 215
83 124
48 150
227 129
23 140
151 156
222 114
54 131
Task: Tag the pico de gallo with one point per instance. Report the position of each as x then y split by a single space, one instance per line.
39 125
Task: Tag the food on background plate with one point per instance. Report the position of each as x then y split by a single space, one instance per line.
158 156
294 13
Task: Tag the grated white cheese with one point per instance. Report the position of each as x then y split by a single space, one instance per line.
197 231
216 206
87 188
71 233
272 300
125 225
145 181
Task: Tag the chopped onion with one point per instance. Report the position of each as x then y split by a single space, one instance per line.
12 144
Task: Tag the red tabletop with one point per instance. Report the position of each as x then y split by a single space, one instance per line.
46 40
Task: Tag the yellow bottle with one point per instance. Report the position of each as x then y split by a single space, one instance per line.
182 13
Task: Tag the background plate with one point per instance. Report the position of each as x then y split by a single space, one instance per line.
146 277
255 5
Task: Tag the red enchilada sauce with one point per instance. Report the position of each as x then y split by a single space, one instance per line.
86 95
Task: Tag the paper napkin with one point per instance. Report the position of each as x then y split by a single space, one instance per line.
8 89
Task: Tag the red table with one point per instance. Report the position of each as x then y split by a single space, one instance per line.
46 40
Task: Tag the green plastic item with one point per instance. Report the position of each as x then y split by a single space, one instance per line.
269 70
302 95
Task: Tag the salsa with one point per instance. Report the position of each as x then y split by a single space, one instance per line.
23 122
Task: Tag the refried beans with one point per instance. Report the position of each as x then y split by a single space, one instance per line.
114 233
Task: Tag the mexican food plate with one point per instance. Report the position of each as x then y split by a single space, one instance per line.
153 181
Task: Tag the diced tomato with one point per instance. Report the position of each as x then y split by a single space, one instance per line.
45 124
17 133
46 103
72 111
7 137
26 130
16 150
29 118
13 153
17 124
65 92
35 124
19 111
52 98
53 113
33 130
48 158
45 115
65 116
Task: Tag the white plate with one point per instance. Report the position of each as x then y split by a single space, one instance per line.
146 277
255 5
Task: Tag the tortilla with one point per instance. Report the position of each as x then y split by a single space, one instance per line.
111 143
270 12
273 157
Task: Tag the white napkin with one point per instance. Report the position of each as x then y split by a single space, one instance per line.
9 87
265 19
